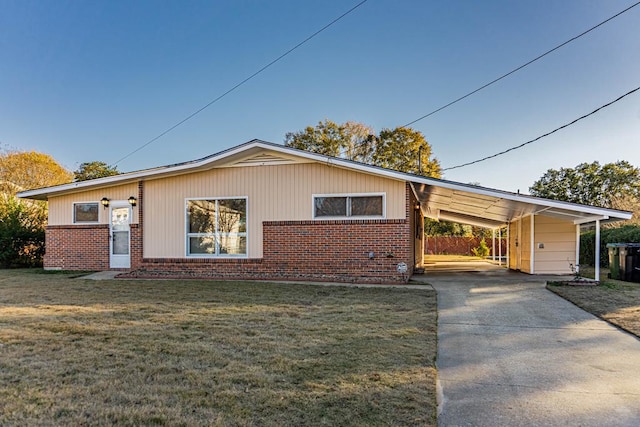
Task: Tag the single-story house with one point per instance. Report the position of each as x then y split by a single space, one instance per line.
265 211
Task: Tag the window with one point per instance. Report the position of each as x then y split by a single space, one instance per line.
348 206
85 212
217 227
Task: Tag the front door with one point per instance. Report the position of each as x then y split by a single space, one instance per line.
120 236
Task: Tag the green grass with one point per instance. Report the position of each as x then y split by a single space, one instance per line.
616 301
125 352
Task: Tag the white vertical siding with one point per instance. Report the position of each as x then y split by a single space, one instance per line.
61 207
559 239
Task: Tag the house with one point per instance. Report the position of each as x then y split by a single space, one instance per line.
265 211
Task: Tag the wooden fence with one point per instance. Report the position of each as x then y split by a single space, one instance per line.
455 245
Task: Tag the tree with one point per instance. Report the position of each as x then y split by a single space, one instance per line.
93 170
590 183
629 203
22 222
21 232
396 149
28 170
405 150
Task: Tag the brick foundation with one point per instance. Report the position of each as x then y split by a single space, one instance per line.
307 250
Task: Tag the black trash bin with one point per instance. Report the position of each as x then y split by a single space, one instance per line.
628 259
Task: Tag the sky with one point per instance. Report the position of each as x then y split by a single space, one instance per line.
95 80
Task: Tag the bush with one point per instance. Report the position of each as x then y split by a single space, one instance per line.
482 250
624 234
21 232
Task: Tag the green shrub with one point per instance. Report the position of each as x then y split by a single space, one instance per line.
624 234
482 250
21 232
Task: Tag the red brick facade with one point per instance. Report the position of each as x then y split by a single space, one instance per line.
77 247
366 251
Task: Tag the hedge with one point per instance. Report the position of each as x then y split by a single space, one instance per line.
624 234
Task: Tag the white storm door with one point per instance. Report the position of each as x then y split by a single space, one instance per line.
120 246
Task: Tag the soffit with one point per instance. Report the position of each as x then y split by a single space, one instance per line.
492 209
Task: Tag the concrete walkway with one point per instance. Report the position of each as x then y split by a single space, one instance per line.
511 353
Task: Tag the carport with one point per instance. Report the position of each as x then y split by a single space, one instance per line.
543 235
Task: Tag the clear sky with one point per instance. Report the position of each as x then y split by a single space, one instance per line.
94 80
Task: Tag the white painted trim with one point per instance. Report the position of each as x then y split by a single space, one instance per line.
73 213
348 218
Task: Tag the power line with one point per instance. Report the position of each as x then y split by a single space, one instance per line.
522 66
545 135
190 116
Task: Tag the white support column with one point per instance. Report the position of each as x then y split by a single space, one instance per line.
500 246
508 245
597 249
493 249
532 261
577 264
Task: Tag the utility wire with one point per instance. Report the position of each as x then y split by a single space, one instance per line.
522 66
190 116
545 135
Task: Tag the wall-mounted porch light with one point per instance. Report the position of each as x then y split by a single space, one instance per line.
105 202
133 201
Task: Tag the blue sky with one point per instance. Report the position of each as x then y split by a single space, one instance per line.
94 80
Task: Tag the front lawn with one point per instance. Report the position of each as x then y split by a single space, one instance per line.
615 301
127 352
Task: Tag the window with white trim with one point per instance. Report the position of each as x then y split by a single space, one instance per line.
217 227
348 206
84 213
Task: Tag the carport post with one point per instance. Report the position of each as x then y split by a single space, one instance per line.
493 249
597 250
508 245
577 264
500 246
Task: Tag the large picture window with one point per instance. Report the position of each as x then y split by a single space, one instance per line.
217 227
85 213
370 206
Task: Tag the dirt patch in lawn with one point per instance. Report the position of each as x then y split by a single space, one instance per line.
125 352
615 301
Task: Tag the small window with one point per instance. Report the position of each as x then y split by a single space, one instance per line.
348 206
85 212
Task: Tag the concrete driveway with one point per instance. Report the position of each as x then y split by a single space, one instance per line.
511 353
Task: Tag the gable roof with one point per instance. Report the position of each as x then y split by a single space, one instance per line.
439 198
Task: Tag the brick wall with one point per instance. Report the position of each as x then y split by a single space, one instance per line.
306 250
77 247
